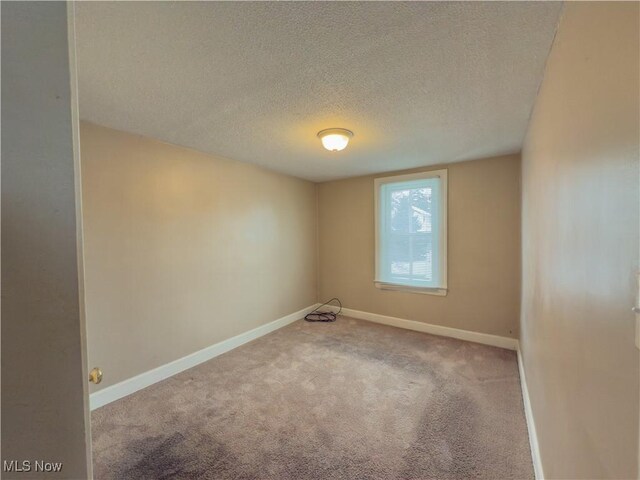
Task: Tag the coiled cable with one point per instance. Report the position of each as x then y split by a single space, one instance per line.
328 316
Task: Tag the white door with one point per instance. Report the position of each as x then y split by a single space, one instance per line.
45 409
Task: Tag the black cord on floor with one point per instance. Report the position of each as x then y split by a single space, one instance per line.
319 316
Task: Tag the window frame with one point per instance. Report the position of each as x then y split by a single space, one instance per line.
442 289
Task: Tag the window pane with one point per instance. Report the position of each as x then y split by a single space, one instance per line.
398 255
421 210
400 211
422 257
408 225
410 210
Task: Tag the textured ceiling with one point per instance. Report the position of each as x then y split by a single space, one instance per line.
418 83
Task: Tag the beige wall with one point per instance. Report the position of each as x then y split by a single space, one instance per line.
580 246
483 249
44 404
183 250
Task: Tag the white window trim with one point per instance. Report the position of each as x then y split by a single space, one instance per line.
378 182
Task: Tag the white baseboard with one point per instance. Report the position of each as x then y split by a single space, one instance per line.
484 338
131 385
531 426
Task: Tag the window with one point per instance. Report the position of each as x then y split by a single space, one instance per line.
411 232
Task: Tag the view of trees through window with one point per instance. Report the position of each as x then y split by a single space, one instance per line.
410 234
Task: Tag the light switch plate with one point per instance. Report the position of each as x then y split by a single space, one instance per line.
637 310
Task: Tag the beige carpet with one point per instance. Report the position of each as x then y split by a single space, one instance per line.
344 400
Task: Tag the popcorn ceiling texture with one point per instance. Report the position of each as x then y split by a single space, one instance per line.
346 400
419 83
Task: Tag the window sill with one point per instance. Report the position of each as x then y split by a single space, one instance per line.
441 292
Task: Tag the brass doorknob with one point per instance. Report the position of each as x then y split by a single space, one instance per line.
95 375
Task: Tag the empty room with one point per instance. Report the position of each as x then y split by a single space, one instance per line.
320 240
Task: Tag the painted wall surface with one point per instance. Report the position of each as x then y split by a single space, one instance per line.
183 250
483 249
44 404
580 245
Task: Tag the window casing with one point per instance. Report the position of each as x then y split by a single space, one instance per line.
411 232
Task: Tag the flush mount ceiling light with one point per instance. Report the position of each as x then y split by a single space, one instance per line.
335 139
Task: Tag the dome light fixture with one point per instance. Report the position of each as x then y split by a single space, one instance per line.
335 139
